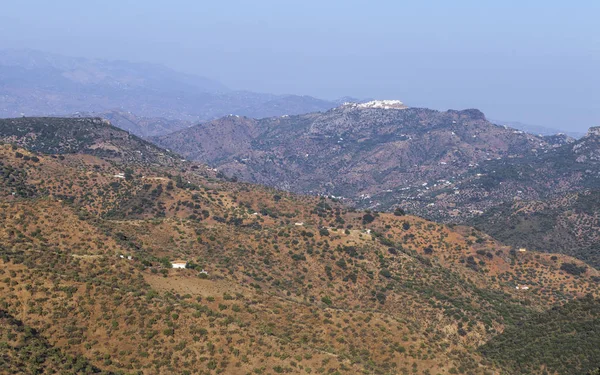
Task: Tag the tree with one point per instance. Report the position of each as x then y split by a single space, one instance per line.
368 218
128 174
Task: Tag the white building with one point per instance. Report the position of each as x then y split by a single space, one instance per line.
178 264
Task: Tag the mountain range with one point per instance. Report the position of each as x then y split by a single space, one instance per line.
370 154
94 217
37 83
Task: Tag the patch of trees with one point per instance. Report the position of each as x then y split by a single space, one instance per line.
573 269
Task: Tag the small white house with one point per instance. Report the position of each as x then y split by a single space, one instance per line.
178 264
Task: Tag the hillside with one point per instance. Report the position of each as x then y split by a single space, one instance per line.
568 225
539 175
552 340
370 154
292 284
36 83
24 350
92 136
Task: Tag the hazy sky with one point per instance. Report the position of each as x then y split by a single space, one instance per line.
535 61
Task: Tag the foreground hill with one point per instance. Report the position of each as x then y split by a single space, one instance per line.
39 84
92 136
291 284
24 350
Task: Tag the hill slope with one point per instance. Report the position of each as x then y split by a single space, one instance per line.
552 340
292 284
568 225
539 175
446 166
93 136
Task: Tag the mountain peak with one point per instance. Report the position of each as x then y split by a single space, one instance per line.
472 113
377 104
593 131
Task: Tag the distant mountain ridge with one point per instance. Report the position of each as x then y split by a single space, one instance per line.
355 150
37 83
442 165
69 73
536 129
139 125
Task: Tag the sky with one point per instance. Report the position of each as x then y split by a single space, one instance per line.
533 61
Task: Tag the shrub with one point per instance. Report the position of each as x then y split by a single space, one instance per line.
399 212
385 273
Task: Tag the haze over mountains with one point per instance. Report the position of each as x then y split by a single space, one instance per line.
146 99
38 83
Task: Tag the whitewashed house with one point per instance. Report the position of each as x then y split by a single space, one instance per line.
179 264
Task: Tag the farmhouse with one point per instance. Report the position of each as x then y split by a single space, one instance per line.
179 264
